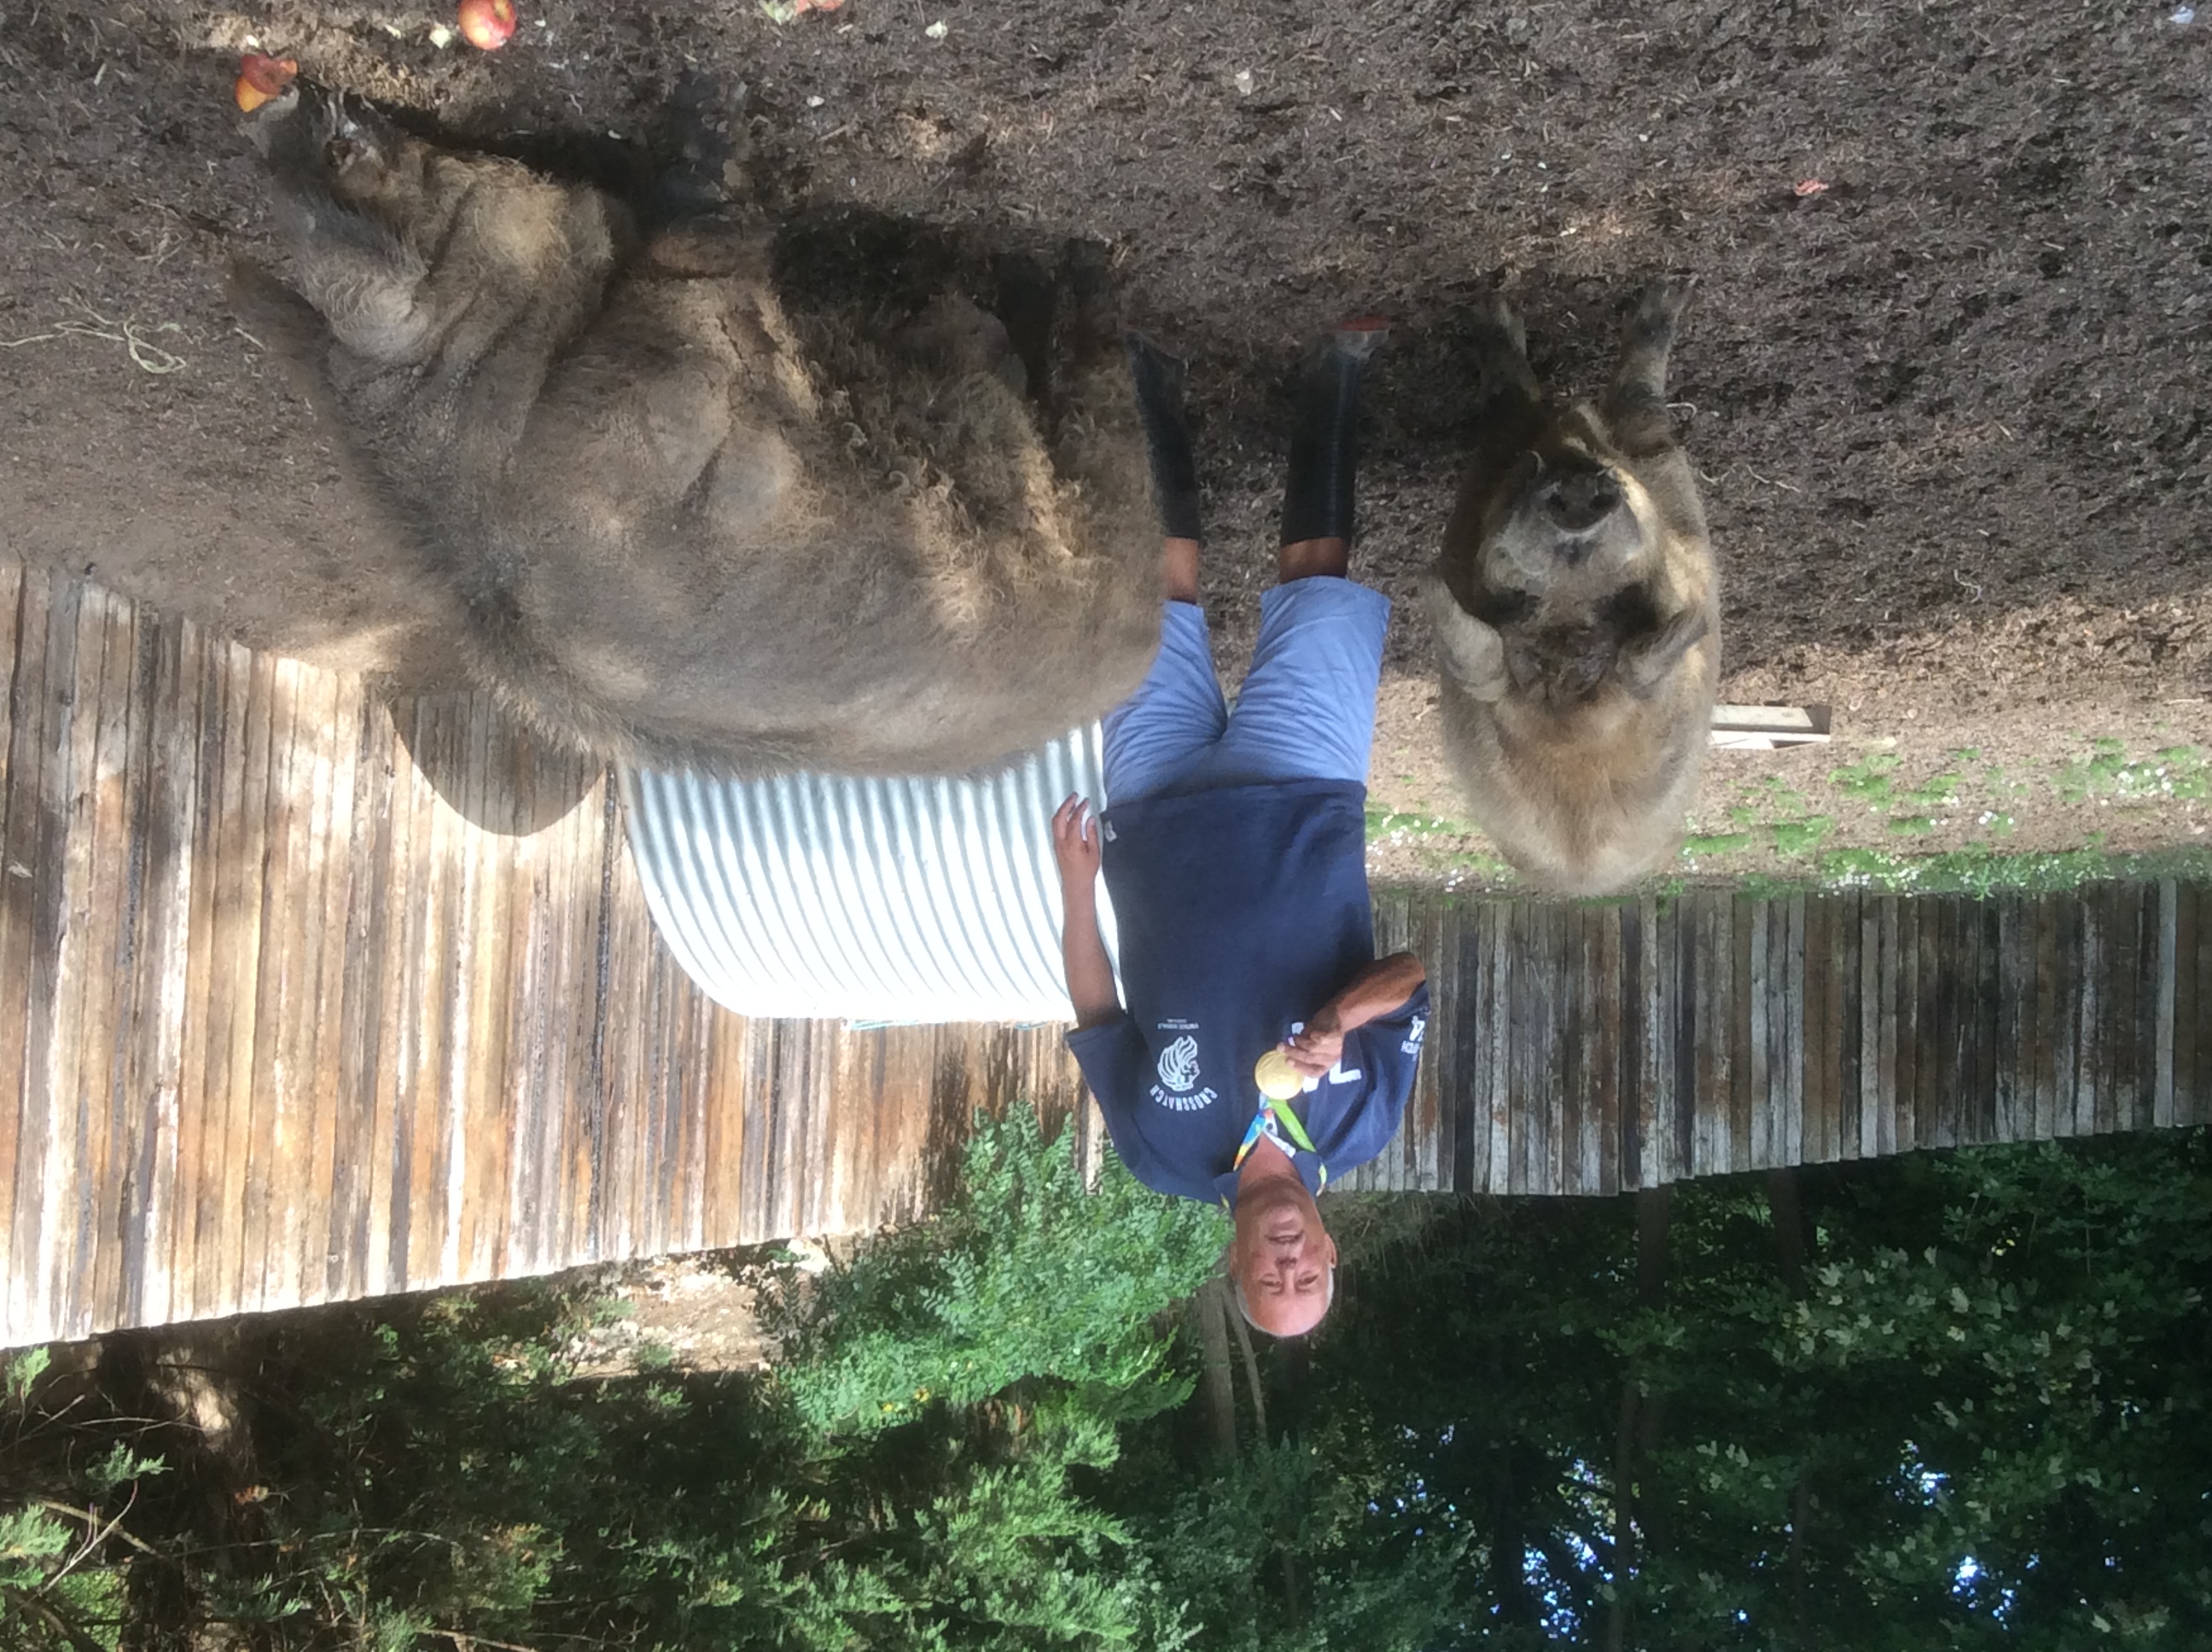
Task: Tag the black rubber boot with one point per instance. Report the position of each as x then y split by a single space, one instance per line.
1158 379
1317 493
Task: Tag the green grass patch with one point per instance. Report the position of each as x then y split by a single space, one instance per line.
1385 822
1984 870
1871 780
2176 771
1487 867
1937 791
1797 837
1708 843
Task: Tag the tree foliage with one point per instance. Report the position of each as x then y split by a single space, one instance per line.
1028 1275
1965 1407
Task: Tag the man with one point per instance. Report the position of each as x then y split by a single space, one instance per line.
1235 849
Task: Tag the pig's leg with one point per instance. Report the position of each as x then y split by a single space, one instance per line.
352 268
706 129
1501 355
1025 305
1635 407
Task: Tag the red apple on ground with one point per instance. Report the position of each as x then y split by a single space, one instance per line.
260 79
488 24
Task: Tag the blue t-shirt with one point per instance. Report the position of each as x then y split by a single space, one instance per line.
1241 912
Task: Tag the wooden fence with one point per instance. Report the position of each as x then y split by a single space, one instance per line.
1591 1047
306 997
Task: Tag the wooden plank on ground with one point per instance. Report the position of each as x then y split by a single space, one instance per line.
51 779
1955 971
198 1138
66 1192
2093 964
2051 1015
26 877
159 1005
2188 1007
2010 1099
1759 1011
1708 1013
2121 907
1987 1004
1570 1046
2201 1014
118 1261
1891 1010
1504 1070
1797 1010
99 934
1638 1043
273 1186
1524 1064
1816 963
486 988
1536 1028
324 964
360 1156
1931 1064
1746 1072
1675 1065
2149 957
1846 1025
1607 997
2169 923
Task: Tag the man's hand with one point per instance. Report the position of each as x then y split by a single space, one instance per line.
1377 990
1075 842
1315 1049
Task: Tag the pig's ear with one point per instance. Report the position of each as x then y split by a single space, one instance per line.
1645 663
1471 653
285 325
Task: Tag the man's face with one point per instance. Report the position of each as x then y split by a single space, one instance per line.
1282 1255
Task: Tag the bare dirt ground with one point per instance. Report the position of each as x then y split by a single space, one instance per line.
687 1313
1950 410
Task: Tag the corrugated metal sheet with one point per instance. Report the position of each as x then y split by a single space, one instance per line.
905 900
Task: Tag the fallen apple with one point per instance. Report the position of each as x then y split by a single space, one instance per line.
488 24
260 79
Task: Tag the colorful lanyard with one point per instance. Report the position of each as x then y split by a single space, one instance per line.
1279 1125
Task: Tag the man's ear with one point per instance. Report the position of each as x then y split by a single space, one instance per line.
1471 653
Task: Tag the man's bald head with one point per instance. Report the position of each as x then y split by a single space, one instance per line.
1282 1262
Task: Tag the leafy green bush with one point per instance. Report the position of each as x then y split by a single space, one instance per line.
1028 1275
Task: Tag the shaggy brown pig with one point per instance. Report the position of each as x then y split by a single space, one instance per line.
1577 613
758 495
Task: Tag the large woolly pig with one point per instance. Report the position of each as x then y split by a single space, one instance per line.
1577 613
758 495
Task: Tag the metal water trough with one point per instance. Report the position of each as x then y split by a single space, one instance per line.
894 900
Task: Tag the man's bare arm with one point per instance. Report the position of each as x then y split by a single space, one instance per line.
1382 987
1083 956
1082 948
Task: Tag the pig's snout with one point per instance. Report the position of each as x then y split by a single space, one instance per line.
1578 501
